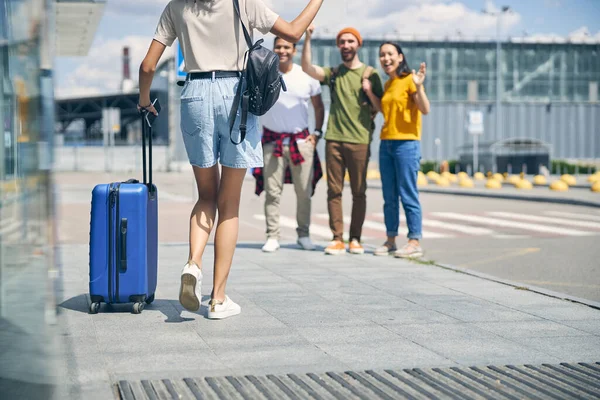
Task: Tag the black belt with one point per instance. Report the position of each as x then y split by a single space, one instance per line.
210 75
213 74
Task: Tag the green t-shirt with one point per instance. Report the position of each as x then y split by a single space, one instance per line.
349 120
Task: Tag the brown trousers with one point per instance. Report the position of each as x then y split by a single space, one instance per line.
340 156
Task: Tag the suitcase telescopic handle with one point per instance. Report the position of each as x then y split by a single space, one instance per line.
147 130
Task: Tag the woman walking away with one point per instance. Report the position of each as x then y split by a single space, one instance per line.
402 105
213 45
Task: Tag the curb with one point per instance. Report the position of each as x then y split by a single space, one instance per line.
531 288
537 199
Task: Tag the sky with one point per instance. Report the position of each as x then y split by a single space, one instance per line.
132 23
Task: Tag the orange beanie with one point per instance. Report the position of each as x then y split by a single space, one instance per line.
351 31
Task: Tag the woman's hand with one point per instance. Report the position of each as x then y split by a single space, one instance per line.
419 77
146 105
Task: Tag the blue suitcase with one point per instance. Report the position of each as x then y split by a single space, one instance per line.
124 239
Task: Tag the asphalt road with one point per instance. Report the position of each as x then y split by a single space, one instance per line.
550 246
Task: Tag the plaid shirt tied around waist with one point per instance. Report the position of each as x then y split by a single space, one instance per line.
295 155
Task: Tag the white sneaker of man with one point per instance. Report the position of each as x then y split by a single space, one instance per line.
271 246
222 310
306 243
190 294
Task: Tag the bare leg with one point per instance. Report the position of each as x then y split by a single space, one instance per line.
228 203
203 214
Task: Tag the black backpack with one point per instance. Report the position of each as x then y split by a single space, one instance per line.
261 78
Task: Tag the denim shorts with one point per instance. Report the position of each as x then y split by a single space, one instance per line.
205 107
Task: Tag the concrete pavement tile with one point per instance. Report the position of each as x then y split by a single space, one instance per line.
564 312
529 329
422 333
298 355
321 367
567 349
240 324
278 339
156 360
92 391
347 334
475 311
398 353
392 315
590 326
169 337
486 351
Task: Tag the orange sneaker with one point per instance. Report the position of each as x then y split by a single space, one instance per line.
356 247
336 247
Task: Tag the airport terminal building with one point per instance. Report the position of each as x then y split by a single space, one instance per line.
548 91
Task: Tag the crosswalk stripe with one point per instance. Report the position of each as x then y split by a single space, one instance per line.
471 230
512 224
287 222
587 217
535 218
403 230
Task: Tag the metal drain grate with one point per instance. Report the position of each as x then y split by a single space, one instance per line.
564 381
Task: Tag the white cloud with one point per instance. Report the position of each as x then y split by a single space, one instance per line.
580 35
101 71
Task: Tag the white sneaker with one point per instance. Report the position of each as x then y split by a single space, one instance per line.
223 310
191 283
271 246
306 243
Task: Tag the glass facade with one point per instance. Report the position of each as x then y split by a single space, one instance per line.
29 344
530 72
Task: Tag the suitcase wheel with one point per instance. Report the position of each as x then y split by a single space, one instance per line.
149 300
138 308
94 308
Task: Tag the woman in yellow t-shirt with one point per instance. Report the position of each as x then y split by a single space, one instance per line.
402 105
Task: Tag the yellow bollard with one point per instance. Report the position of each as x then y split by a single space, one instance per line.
479 176
443 181
433 175
493 184
569 179
373 174
498 177
462 175
559 186
596 187
466 183
524 184
422 180
450 176
593 178
540 180
514 179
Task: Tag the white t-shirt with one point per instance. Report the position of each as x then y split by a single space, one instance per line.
290 113
209 32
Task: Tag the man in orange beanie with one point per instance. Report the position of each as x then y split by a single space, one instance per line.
349 133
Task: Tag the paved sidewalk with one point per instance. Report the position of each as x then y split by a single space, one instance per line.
305 312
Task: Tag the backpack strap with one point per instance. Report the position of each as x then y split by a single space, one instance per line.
334 73
244 98
368 72
367 75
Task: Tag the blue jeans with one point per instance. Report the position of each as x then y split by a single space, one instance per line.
399 164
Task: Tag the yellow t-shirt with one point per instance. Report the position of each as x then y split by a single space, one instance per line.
400 112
